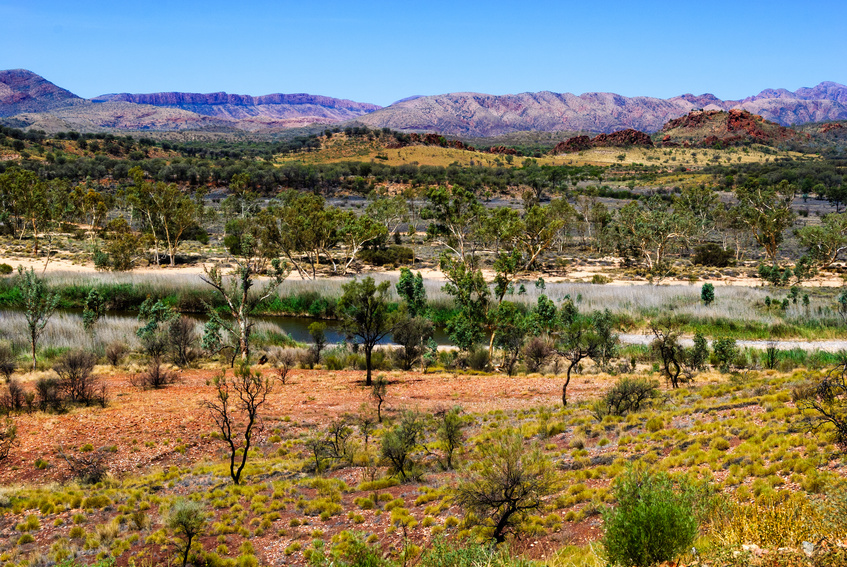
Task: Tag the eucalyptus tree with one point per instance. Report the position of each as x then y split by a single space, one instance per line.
235 290
456 217
38 305
364 314
168 211
651 230
23 202
355 232
767 211
389 211
825 242
302 225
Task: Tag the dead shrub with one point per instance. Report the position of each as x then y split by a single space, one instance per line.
115 353
48 395
182 339
87 467
282 360
14 398
8 363
154 378
536 353
75 378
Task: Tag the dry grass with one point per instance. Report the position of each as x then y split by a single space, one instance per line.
340 148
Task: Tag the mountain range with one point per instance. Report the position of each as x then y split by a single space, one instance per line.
28 100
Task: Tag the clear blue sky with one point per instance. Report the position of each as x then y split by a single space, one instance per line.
382 51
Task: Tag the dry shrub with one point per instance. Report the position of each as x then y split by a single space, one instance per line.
282 360
536 353
75 379
87 467
8 363
155 377
115 353
14 398
8 437
48 395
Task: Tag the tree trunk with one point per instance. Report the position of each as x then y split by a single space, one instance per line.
368 350
565 385
498 535
187 549
243 340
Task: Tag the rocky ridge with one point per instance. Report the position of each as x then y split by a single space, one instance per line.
707 128
620 139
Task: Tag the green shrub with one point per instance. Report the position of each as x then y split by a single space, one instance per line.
627 395
5 269
390 255
725 352
654 520
712 254
707 293
478 359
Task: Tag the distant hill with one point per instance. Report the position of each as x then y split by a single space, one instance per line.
277 108
475 114
478 115
24 91
28 100
707 128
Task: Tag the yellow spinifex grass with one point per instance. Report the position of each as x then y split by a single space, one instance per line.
770 525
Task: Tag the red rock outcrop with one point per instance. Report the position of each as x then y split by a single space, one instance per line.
710 127
619 139
623 138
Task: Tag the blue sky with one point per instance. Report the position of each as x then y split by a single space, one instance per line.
382 51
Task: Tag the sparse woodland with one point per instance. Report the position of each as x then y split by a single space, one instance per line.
154 413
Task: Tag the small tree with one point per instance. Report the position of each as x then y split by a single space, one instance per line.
235 411
399 443
237 296
378 394
450 434
95 306
826 405
363 309
153 314
579 337
707 294
411 289
412 334
510 481
725 352
512 330
187 518
318 332
653 522
38 305
672 354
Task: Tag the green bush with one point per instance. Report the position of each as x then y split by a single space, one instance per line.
627 395
725 353
5 269
478 359
712 254
390 255
654 520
